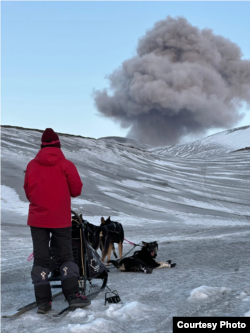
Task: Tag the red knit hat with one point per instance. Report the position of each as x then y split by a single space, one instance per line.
50 139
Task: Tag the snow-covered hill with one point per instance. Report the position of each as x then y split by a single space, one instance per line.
213 145
194 199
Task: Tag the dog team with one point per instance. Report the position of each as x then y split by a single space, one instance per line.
109 232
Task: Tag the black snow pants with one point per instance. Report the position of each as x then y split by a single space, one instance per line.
68 268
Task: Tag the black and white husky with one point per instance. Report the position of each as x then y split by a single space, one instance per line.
143 260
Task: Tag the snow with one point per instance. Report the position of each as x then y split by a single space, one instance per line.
216 144
96 326
194 199
247 314
205 292
77 201
119 311
10 201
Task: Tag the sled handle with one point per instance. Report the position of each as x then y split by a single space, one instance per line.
77 216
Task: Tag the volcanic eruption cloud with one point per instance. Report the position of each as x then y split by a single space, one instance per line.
183 81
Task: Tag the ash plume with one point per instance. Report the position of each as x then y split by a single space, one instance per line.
183 81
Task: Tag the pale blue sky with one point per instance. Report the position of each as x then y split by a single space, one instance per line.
53 54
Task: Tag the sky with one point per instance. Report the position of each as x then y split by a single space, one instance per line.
55 54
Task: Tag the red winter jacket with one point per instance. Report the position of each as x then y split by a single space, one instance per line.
50 181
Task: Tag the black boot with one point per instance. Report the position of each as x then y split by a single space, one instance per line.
71 292
43 298
44 307
42 288
77 301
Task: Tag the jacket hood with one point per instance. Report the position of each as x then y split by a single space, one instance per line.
49 156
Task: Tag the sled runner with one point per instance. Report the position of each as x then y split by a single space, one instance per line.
26 308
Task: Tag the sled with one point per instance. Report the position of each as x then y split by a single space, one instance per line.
87 259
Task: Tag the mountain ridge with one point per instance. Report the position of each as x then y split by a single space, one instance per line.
232 140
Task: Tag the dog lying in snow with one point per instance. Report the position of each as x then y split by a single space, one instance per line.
142 261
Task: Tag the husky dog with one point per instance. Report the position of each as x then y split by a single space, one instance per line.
142 261
104 236
116 234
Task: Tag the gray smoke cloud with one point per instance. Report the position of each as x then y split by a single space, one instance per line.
183 81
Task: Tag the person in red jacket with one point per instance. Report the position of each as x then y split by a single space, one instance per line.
50 182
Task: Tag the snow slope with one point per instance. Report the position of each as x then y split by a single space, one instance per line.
213 145
194 199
